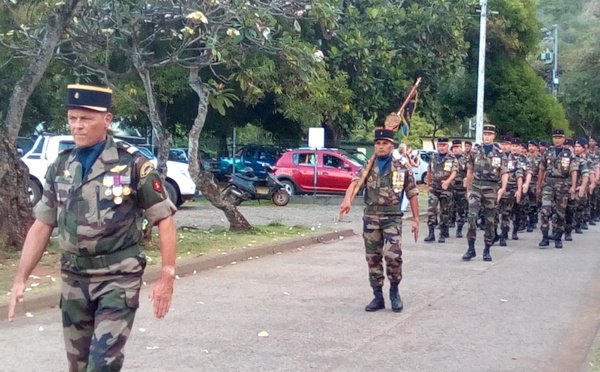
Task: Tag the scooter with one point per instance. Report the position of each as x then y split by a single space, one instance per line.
245 186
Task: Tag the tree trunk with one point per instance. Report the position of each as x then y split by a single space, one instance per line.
163 138
15 209
333 134
205 180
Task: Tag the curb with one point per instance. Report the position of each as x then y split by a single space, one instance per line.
50 299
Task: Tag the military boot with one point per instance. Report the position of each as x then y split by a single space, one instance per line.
442 238
568 236
486 253
431 236
584 226
558 241
592 223
470 252
452 223
395 299
514 234
378 302
578 228
459 232
545 240
503 237
530 224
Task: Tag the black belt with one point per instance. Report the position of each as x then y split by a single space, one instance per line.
101 261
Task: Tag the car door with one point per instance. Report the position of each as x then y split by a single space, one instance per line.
304 170
335 173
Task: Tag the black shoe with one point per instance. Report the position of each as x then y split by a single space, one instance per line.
442 238
452 224
558 243
578 230
378 302
431 236
470 252
545 241
568 237
529 228
459 232
395 299
592 223
502 240
584 226
486 253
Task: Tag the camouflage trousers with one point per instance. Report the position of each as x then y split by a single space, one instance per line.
461 205
555 193
442 199
483 195
97 319
530 203
594 202
506 207
571 213
382 235
582 213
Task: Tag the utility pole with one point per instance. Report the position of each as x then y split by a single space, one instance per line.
552 57
481 72
555 68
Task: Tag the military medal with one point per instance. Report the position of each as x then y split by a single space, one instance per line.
117 190
108 192
126 190
118 200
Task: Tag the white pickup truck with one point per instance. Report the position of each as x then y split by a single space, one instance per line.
179 185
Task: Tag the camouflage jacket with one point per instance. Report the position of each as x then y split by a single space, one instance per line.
534 165
558 166
462 170
386 189
488 167
441 167
102 212
583 167
516 166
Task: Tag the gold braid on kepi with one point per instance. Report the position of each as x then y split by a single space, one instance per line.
392 121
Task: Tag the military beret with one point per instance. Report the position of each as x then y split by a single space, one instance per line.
524 145
569 142
592 138
543 143
468 143
489 128
88 97
558 133
456 143
443 140
533 142
384 134
506 139
582 141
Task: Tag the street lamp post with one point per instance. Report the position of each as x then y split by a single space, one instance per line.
481 72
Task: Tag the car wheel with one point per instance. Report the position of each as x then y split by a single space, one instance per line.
35 191
172 193
281 198
289 186
424 177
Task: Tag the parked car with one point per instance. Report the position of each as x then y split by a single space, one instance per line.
420 172
334 168
251 156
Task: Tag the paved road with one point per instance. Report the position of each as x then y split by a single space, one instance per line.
528 310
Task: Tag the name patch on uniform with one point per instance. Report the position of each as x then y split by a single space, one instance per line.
146 169
157 185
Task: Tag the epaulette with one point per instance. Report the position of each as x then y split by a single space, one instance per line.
497 146
127 147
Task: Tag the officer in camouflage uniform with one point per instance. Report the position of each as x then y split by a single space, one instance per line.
97 195
461 205
388 179
571 211
485 170
556 181
531 203
513 190
586 173
440 176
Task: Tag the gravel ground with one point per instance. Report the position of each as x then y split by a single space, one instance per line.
317 212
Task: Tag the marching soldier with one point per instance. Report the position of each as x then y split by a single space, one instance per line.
519 150
440 176
556 181
97 196
530 185
461 204
468 148
513 190
387 181
585 172
594 153
543 147
484 172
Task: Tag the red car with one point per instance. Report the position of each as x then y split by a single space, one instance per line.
335 170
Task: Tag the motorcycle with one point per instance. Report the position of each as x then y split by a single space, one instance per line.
245 186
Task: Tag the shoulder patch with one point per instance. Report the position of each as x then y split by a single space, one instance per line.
146 169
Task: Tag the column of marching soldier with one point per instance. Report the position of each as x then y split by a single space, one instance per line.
515 185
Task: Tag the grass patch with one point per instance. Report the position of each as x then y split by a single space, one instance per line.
190 243
595 363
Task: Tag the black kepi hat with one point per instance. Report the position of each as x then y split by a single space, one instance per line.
384 134
543 143
506 139
456 142
489 128
558 133
88 97
569 142
443 140
533 142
